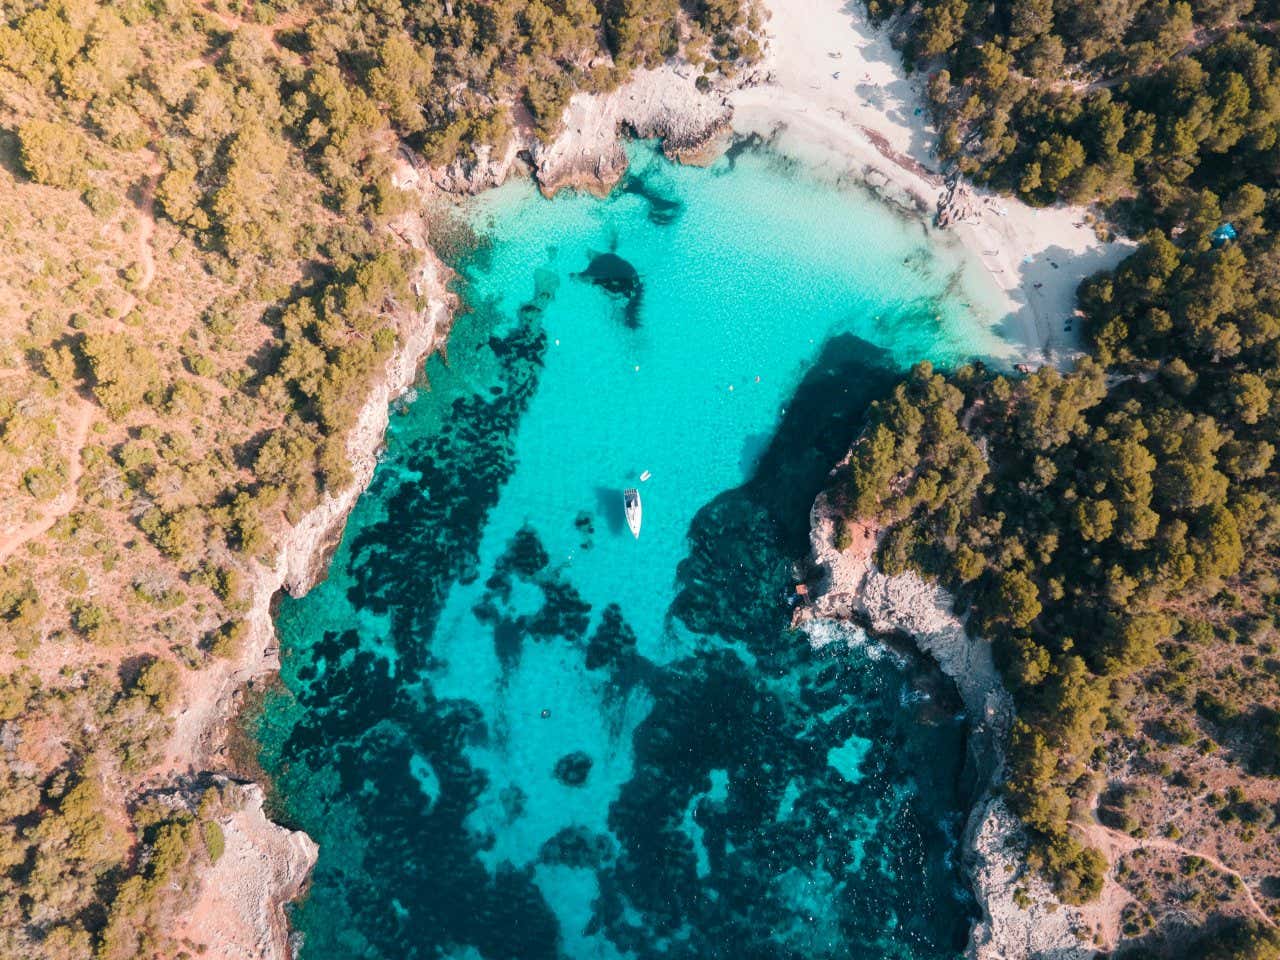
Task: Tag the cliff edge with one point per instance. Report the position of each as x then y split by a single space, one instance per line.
261 856
1021 919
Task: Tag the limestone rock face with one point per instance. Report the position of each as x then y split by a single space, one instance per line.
239 910
850 587
1039 928
589 154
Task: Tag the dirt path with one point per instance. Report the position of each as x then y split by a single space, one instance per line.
63 503
1112 842
146 230
85 409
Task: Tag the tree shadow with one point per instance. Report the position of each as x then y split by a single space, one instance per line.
1046 281
10 150
898 100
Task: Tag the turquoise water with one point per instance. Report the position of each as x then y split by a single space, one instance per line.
517 731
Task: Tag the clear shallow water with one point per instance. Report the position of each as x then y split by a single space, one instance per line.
516 731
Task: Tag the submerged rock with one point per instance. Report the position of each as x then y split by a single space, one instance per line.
573 769
618 278
613 642
577 846
663 211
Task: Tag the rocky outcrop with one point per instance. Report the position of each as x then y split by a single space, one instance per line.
589 154
1021 919
238 913
957 204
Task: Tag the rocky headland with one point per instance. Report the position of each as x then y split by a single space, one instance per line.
239 909
1021 919
590 152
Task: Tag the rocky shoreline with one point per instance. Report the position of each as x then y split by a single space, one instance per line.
242 897
243 900
1021 918
590 153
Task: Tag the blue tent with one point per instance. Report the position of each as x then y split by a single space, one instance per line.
1223 234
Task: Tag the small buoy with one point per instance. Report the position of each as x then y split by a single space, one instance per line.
557 342
731 388
757 378
545 713
637 368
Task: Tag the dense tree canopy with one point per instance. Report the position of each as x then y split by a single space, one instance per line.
1113 507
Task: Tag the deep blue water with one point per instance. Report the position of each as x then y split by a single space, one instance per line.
518 732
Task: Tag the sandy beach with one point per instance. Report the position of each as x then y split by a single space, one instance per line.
832 92
835 91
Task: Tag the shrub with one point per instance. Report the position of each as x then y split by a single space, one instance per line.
214 841
52 153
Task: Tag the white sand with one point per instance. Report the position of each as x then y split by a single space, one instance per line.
835 83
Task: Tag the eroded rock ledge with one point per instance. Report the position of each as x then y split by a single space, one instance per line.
1021 919
590 152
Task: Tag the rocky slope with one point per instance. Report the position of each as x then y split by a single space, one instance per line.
849 588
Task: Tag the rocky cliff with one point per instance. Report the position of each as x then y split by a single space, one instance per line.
1021 919
590 154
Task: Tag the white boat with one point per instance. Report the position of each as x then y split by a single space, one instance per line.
631 507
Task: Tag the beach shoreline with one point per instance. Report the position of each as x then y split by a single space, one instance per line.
834 92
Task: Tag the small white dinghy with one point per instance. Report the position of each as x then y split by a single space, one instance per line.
631 507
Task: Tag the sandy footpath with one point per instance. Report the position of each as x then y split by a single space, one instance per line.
835 90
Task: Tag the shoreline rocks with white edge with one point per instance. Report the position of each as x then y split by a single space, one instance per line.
1021 919
590 152
262 866
199 740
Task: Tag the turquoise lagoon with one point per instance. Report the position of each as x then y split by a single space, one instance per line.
518 732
